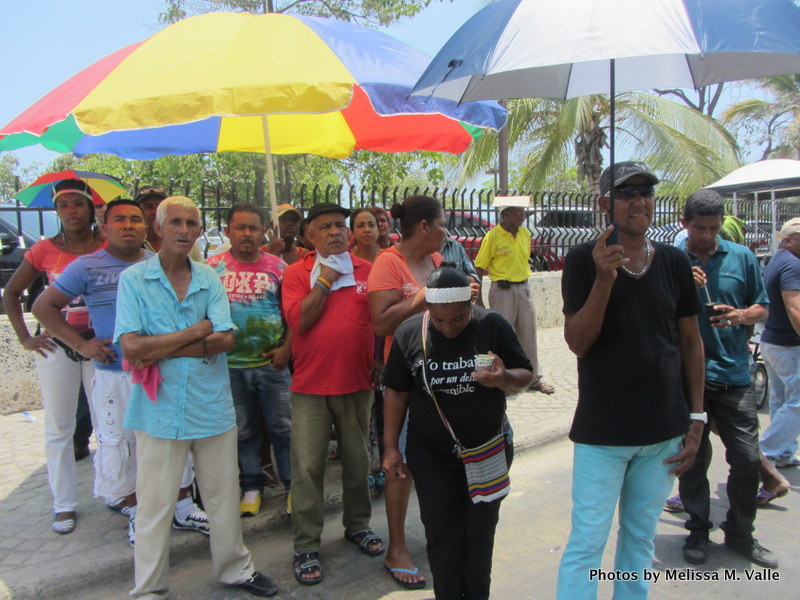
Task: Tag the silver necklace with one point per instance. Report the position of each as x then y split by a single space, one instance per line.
646 261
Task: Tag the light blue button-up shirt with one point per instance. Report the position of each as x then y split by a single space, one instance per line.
194 398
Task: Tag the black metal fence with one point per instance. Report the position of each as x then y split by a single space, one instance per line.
557 221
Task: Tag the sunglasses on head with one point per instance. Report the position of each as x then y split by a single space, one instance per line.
626 192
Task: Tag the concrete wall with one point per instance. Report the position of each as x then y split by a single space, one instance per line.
19 389
546 293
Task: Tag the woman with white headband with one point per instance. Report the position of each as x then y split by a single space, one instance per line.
60 370
452 401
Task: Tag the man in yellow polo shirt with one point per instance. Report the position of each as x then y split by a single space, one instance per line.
503 256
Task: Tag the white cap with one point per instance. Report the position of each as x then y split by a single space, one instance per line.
502 202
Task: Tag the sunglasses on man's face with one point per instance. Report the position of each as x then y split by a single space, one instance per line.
626 192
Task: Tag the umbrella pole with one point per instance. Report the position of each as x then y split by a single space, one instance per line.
273 200
612 110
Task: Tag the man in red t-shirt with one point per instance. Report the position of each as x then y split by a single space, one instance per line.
325 306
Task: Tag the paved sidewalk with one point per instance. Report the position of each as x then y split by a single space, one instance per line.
37 563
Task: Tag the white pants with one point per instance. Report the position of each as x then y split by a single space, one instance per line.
160 463
60 380
115 459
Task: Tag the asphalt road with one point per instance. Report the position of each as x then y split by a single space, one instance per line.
534 524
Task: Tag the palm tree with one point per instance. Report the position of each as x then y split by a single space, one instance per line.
777 124
689 149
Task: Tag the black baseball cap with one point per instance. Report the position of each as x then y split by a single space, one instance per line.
622 172
323 208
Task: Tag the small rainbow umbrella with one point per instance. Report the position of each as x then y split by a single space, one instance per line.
269 83
104 188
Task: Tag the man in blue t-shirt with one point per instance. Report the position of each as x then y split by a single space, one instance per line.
95 277
730 285
780 346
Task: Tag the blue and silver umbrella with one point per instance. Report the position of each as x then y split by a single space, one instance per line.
564 49
568 48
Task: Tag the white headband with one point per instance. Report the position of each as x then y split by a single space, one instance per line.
448 295
72 191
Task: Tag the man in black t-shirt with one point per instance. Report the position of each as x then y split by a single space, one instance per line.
630 316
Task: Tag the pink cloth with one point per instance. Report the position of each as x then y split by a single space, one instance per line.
149 377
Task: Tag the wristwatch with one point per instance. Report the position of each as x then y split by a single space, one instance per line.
703 416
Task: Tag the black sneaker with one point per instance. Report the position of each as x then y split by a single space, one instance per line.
259 585
754 552
695 548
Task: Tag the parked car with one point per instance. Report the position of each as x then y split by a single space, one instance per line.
468 227
13 246
212 241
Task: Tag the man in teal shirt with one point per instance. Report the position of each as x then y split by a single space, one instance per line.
730 284
174 326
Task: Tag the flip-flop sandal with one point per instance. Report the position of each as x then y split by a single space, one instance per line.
409 585
364 539
305 563
64 527
764 497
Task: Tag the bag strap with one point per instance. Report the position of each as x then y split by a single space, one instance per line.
425 320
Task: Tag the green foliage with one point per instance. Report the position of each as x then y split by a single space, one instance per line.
548 137
12 176
381 12
773 124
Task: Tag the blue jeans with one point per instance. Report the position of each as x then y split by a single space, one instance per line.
637 478
783 367
269 388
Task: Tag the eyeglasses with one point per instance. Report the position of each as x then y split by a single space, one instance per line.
626 192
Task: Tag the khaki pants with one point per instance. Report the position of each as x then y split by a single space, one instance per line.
516 306
161 463
312 417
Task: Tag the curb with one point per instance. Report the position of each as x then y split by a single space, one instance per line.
189 545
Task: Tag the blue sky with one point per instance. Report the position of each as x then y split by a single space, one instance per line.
48 41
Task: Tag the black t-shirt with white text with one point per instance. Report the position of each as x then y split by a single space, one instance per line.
475 412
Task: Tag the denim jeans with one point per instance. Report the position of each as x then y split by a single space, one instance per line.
637 478
268 388
734 412
783 367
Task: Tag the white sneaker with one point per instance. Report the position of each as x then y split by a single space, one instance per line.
196 521
132 531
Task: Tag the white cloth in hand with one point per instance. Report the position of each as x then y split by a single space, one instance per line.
341 263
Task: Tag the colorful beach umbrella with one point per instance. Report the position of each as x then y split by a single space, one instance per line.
104 188
269 83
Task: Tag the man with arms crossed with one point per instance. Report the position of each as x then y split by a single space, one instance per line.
630 315
95 277
173 318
